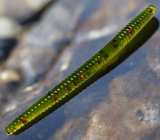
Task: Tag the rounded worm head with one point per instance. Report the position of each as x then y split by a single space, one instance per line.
152 9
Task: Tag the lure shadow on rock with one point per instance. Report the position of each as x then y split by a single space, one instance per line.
126 42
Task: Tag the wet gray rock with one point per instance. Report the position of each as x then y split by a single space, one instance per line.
40 46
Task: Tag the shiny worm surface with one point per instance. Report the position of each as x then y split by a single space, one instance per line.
84 72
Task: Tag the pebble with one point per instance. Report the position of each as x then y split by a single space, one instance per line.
9 29
9 76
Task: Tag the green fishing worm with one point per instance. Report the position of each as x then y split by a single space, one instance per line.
97 62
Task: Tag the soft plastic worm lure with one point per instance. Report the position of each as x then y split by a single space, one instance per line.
97 62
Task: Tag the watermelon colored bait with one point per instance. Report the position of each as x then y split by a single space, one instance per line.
85 72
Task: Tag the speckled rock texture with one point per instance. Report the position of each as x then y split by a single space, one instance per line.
122 105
